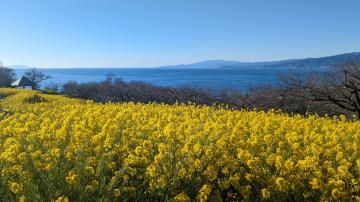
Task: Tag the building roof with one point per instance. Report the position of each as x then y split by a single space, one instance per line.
24 81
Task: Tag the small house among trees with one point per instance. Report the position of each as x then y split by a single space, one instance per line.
24 82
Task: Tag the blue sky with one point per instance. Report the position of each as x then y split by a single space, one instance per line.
133 33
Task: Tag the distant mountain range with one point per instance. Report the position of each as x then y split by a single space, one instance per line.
20 67
329 61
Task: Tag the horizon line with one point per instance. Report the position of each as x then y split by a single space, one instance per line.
168 65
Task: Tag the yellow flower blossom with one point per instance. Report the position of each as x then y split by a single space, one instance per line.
15 187
184 152
62 199
90 170
181 198
22 199
204 193
117 192
265 193
71 178
281 184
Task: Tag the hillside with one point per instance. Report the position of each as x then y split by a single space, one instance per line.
321 62
328 61
54 148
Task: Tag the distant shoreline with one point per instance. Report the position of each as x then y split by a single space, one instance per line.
328 61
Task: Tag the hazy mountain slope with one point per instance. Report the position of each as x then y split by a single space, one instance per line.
328 61
307 62
324 61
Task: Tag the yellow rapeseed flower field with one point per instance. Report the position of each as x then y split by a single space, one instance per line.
54 148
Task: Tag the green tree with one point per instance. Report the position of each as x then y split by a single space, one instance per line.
7 76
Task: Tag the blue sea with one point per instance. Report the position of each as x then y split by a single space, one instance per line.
240 78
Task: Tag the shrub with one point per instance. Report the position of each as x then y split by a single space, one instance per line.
34 98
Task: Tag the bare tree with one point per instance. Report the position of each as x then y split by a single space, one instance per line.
7 76
52 87
36 76
110 77
340 87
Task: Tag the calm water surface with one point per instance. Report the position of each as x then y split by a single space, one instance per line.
216 79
